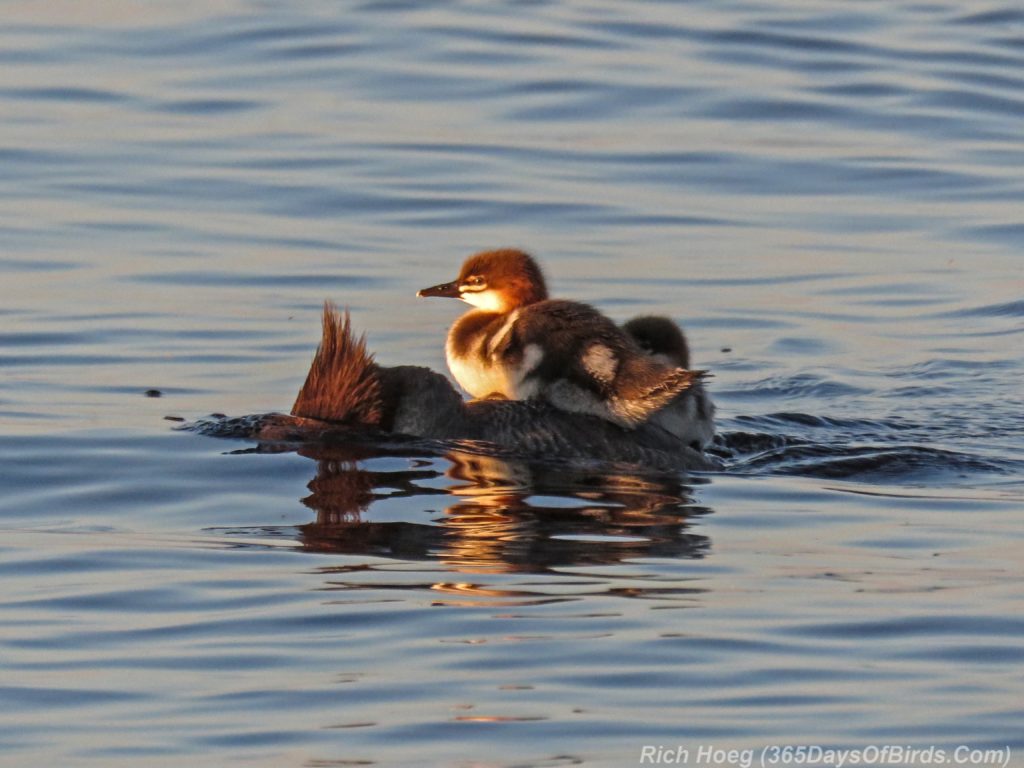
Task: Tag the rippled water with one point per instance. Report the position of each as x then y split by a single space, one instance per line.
828 196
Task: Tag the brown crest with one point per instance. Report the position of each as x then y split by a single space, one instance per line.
343 383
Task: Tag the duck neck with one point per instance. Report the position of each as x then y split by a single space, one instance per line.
467 332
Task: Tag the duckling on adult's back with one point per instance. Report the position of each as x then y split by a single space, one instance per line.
520 344
346 387
691 416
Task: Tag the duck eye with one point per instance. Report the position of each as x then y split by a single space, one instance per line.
475 281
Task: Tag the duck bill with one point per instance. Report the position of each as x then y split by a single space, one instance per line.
445 290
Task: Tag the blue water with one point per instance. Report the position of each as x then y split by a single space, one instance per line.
827 196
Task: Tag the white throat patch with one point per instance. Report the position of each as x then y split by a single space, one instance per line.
487 300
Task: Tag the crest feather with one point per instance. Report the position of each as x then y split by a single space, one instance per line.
343 383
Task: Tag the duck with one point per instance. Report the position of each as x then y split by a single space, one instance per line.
517 343
691 415
347 392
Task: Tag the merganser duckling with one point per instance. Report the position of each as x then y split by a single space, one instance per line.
345 387
660 338
519 344
691 416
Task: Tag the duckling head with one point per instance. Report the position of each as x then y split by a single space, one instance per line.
660 338
495 281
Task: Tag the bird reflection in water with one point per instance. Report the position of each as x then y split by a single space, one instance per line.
498 515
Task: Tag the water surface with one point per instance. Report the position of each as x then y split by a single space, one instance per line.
827 196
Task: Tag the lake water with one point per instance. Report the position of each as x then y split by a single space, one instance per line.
830 198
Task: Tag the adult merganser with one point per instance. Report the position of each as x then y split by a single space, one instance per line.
346 388
519 344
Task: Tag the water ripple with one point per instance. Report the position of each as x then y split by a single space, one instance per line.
827 195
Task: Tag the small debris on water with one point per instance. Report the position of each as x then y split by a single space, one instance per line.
153 393
173 418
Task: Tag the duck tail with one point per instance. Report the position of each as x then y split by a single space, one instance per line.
343 383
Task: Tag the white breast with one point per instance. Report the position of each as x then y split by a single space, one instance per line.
482 372
479 380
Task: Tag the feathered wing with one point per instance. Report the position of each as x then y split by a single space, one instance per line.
644 387
343 383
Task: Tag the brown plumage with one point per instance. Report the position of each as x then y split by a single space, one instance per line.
514 273
343 384
598 368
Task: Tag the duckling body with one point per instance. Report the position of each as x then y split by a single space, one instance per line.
471 353
519 344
